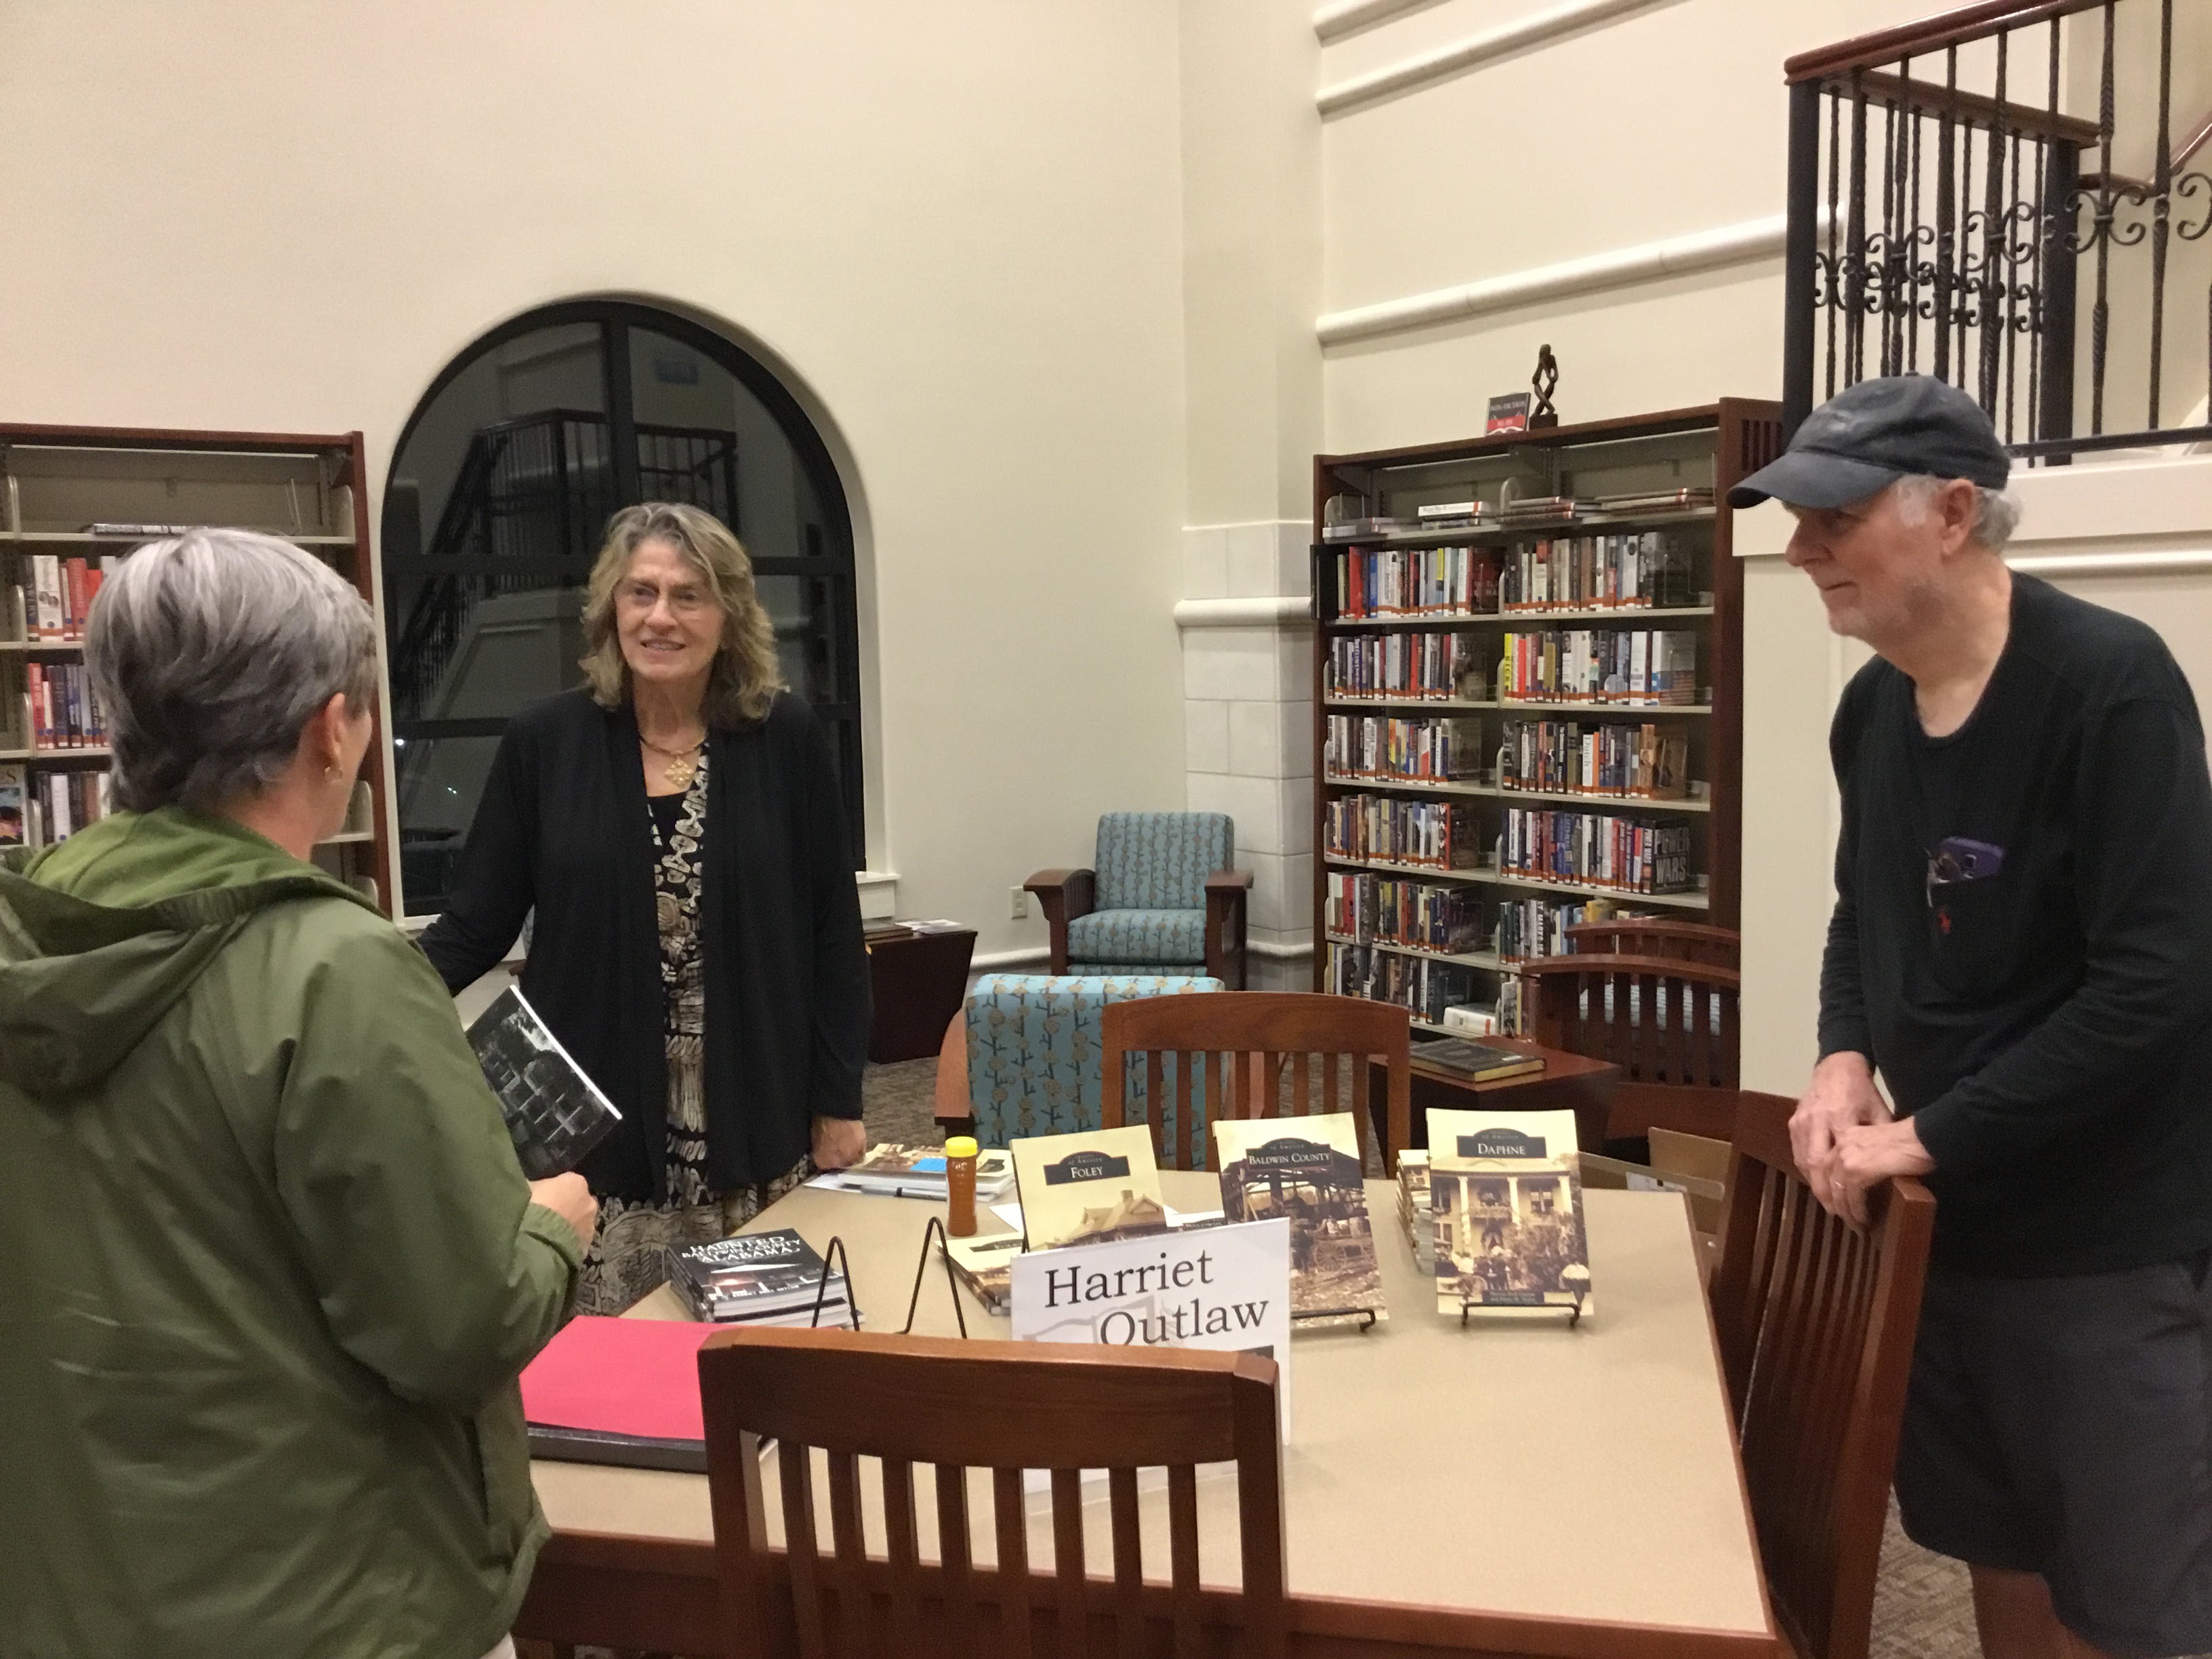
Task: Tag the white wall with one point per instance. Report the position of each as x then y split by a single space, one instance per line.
956 226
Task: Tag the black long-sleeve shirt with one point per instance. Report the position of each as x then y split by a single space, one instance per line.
2047 1025
563 827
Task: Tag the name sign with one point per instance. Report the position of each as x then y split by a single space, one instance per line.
1085 1166
1219 1288
1501 1143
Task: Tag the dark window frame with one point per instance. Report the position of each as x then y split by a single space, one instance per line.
834 566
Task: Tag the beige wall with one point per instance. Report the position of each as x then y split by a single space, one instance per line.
956 226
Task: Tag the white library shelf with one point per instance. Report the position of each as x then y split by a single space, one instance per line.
1483 875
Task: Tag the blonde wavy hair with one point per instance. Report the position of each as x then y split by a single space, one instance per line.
745 676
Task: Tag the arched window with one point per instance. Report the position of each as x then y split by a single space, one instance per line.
500 487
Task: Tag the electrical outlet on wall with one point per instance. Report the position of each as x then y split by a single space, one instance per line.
1019 904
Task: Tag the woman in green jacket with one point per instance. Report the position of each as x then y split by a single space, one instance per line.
269 1268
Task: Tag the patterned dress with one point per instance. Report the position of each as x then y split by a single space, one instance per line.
629 1257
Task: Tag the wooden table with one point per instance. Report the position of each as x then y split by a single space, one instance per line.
1568 1082
1502 1489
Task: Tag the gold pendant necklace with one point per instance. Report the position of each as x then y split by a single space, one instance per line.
683 763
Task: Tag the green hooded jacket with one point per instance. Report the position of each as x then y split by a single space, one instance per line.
268 1269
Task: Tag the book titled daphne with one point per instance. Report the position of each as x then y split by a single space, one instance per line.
554 1112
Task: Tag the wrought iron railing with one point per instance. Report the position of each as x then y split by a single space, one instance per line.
525 515
2004 197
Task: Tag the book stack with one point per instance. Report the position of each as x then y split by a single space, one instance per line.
1648 569
60 710
1413 1213
891 1170
1634 855
48 597
51 807
1434 834
1308 1171
1505 1196
1417 581
1648 761
1401 666
1380 909
1533 927
1383 746
1477 1062
761 1278
986 1267
1599 664
1690 499
1543 509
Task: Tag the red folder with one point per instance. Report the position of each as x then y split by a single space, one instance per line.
619 1391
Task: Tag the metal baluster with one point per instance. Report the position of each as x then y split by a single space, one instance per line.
1946 207
2162 205
1887 237
1962 247
2100 314
1994 244
1835 262
1906 244
2058 168
1855 239
2012 264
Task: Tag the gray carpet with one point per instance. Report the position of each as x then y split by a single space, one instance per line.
1922 1607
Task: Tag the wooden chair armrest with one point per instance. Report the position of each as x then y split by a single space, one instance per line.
1226 891
1063 894
953 1105
1224 881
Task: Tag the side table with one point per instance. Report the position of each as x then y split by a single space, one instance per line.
1568 1082
918 984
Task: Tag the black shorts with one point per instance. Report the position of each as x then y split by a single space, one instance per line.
2063 1426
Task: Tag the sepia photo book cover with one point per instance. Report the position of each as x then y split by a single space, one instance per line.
555 1114
1308 1170
1090 1186
1505 1207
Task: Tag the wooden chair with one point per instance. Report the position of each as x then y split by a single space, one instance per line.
1816 1320
1654 936
1005 1407
1668 1023
1260 1033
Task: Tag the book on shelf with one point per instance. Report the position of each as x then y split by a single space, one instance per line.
1505 1203
1309 1170
1088 1187
55 805
48 596
1424 987
1454 513
1369 528
1470 1061
555 1113
14 806
1417 581
1426 664
890 1170
125 527
1686 499
1570 757
760 1279
1439 835
60 709
1645 570
1595 849
1433 748
1475 1022
1368 908
1635 665
1530 928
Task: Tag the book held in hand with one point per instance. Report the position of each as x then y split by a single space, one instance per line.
759 1279
1506 1206
1308 1170
555 1113
1087 1188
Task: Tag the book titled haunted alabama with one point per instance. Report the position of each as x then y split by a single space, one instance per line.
1306 1169
554 1113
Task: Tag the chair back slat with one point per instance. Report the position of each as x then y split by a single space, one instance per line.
1689 941
1816 1320
1670 1024
1007 1407
1265 1035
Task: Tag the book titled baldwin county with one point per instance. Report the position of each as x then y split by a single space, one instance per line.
759 1279
554 1112
1505 1202
1477 1062
1087 1188
1306 1169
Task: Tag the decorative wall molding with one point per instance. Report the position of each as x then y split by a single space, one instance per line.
1461 55
1281 611
998 961
2175 561
1704 250
1350 16
1281 952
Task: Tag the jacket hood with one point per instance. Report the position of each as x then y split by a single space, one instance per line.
102 935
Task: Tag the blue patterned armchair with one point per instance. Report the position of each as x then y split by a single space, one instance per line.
1161 898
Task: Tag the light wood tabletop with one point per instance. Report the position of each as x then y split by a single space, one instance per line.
1504 1486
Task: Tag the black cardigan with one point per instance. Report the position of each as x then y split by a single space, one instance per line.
563 827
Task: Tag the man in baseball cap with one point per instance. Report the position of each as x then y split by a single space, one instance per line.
2021 948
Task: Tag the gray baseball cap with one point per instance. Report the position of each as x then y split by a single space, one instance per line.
1879 431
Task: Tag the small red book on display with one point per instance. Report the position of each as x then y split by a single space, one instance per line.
619 1391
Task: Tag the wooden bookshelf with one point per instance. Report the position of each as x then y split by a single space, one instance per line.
1710 447
56 481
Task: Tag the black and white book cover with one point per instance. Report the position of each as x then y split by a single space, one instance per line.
554 1112
752 1273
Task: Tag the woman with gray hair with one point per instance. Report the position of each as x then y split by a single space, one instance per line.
677 827
272 1266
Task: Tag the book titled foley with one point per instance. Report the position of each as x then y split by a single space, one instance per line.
1307 1170
1088 1188
1505 1203
555 1113
759 1279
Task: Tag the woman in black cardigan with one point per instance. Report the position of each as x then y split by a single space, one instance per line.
676 826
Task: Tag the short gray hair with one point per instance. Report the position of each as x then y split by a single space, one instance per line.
1997 512
209 651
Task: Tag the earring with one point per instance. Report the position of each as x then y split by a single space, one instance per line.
331 775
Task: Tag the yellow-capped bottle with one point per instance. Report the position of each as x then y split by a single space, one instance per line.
960 1186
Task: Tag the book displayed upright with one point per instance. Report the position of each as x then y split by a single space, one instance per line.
1506 1211
555 1113
1307 1170
1087 1188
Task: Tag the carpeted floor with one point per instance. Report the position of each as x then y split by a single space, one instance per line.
1922 1607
